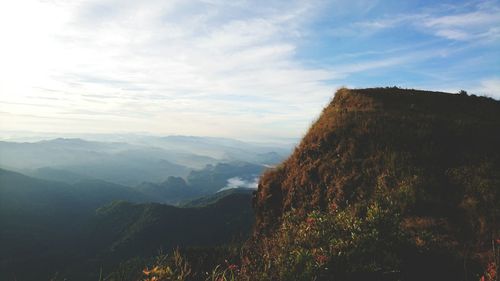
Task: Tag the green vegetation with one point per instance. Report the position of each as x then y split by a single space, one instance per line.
52 227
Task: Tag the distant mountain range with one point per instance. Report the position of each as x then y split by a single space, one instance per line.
143 159
72 205
213 198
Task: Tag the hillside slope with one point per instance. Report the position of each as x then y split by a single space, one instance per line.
388 184
43 222
214 198
127 229
75 231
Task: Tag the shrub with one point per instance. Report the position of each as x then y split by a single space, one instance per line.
333 245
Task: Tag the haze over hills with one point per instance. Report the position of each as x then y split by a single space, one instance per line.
52 212
144 159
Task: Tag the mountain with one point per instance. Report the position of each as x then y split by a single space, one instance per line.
129 229
76 229
215 177
172 191
226 149
204 182
214 198
131 160
41 220
52 174
70 159
388 184
32 207
18 190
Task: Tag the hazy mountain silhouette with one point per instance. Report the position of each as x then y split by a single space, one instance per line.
144 159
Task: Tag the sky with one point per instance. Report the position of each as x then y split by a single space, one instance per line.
242 69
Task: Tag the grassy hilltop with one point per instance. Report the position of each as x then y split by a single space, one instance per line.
387 184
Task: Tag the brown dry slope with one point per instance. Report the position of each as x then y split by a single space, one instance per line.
434 156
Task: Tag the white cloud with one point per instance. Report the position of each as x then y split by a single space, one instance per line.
479 22
489 87
154 65
476 25
238 182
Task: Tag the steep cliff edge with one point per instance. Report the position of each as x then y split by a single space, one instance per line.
432 157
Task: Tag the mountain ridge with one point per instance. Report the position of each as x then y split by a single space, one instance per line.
351 102
429 159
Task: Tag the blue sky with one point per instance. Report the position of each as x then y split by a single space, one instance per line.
244 69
